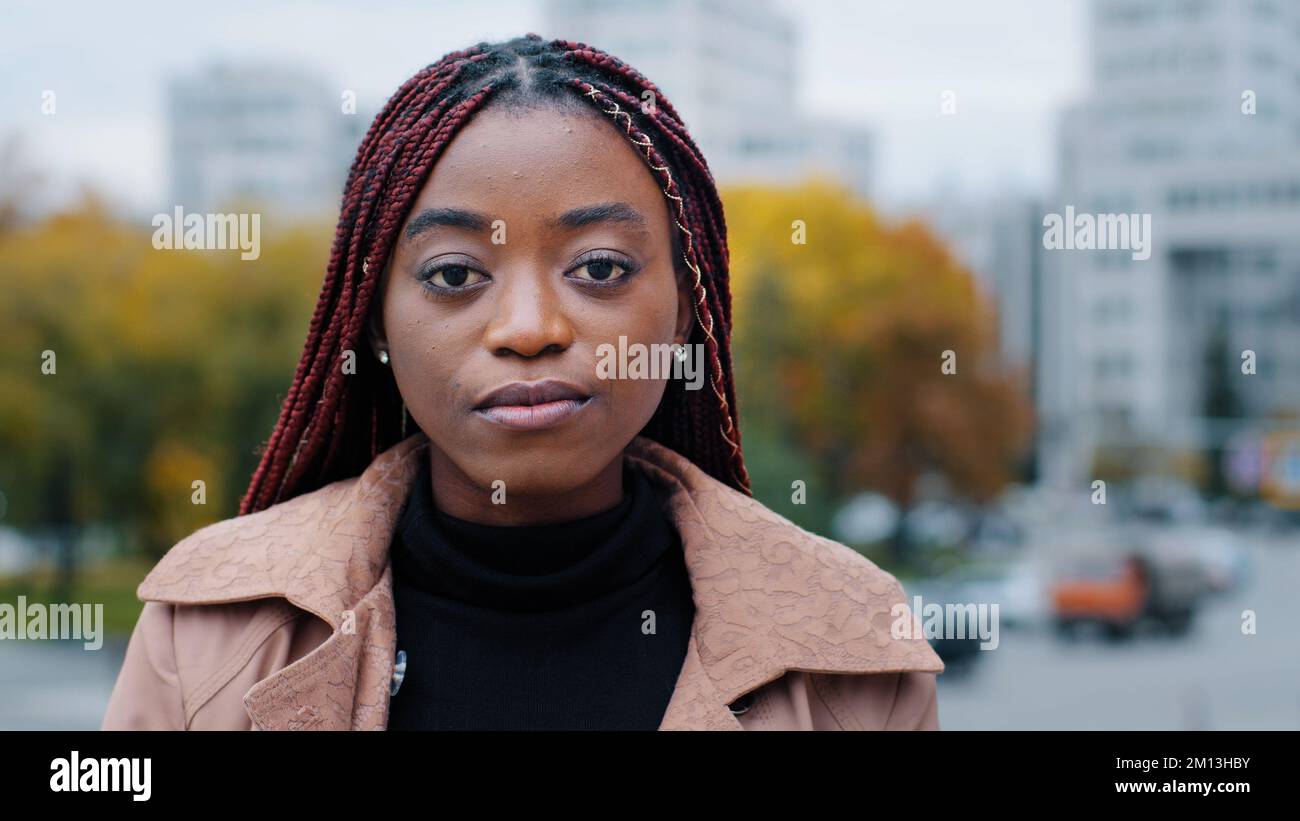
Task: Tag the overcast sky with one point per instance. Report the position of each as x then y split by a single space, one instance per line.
1012 64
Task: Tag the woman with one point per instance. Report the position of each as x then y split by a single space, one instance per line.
475 512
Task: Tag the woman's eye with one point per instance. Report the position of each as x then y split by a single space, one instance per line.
601 270
453 276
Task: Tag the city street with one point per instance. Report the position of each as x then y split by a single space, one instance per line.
56 685
1214 678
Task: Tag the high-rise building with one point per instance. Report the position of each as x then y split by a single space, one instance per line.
272 135
728 67
998 239
1194 119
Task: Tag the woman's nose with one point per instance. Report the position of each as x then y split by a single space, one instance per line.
529 318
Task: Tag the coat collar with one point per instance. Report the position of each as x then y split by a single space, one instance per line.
769 596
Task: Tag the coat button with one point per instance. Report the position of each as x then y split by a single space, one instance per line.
399 672
741 705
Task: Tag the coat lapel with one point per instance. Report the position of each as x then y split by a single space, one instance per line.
341 685
769 597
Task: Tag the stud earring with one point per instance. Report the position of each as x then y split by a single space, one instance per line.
383 357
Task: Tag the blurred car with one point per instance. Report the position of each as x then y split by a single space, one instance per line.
934 523
18 553
1178 583
958 654
1223 557
1164 500
1015 587
995 534
1120 589
866 518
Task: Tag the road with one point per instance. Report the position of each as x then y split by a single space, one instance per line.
1215 678
56 685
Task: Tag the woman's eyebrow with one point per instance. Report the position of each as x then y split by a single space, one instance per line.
603 212
449 217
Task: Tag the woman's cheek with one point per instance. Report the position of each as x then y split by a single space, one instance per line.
633 401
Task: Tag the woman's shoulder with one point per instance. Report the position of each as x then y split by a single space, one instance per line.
747 530
322 543
216 617
235 558
775 593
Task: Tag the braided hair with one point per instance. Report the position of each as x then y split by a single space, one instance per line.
332 424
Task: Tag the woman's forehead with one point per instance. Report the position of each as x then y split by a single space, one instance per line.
541 163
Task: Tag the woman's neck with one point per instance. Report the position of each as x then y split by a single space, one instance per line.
457 494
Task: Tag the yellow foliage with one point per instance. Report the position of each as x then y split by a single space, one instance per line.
175 510
838 344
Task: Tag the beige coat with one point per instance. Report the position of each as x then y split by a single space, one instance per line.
284 619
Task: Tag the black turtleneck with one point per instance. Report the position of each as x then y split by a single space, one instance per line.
539 627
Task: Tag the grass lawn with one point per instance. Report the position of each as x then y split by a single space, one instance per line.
111 583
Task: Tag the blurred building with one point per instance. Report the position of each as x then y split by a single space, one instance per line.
1194 118
273 135
728 67
999 239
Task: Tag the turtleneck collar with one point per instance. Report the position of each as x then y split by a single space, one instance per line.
531 567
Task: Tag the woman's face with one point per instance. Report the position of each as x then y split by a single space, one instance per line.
539 236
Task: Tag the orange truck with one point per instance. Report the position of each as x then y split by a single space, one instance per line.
1110 592
1117 590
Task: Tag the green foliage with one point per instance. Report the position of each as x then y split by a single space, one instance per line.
774 464
169 369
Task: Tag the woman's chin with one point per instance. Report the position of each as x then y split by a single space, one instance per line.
535 465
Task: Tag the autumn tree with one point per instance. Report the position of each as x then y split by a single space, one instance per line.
130 373
843 325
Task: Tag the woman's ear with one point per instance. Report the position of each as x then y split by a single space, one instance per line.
685 307
378 342
375 322
375 330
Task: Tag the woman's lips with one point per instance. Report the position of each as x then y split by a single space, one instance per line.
533 405
534 417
